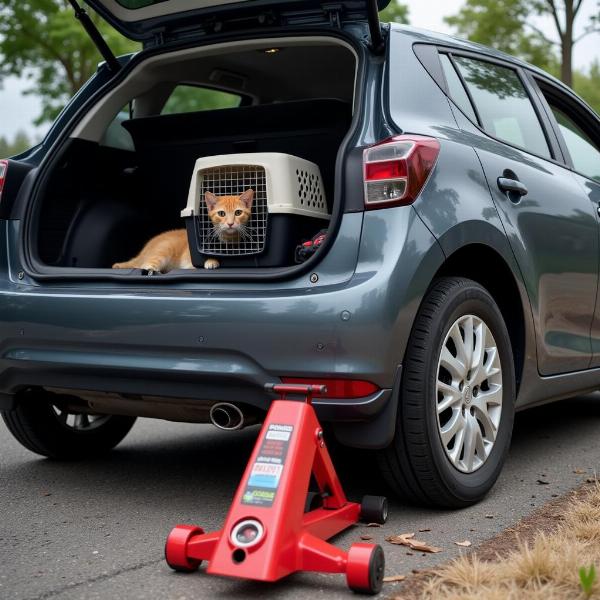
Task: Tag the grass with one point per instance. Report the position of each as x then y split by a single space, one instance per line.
556 566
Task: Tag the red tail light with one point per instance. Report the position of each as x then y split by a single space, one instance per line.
396 169
338 388
3 170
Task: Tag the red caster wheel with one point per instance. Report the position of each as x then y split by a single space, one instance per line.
364 571
176 548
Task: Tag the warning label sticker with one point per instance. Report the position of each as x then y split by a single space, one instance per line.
266 471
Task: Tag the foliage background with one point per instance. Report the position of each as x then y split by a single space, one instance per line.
42 43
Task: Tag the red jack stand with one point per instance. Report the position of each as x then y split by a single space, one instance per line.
268 534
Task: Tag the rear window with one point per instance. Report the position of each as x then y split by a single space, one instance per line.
456 89
502 103
190 98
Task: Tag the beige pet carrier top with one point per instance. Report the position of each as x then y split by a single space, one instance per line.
282 183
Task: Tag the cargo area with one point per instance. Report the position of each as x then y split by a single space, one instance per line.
124 174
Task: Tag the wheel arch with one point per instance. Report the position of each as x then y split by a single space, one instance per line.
487 266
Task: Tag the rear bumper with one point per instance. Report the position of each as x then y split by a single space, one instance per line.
367 422
218 379
225 342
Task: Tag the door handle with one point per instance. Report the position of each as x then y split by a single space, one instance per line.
512 186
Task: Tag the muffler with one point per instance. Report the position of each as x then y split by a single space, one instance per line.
227 416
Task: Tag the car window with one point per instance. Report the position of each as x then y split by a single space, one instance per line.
190 98
117 136
504 107
584 153
456 89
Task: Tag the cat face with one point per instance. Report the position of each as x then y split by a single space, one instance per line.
230 214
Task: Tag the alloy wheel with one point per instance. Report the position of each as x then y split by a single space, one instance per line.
469 393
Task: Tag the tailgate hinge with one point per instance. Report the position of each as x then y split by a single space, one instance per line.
334 12
159 38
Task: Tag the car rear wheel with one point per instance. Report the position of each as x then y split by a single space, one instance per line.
43 424
456 405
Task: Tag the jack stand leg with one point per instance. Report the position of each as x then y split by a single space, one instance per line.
267 535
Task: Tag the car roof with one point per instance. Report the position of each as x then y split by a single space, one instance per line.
443 39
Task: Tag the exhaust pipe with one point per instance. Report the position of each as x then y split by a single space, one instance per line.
227 416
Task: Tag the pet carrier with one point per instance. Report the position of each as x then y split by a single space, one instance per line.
289 206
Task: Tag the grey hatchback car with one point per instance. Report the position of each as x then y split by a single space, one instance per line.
456 282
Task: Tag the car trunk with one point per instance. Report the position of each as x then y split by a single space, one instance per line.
116 183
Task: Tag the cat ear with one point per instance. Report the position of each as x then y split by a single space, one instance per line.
210 199
247 197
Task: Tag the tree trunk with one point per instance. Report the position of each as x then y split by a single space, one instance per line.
566 45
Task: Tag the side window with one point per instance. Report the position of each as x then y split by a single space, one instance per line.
584 153
456 89
116 136
191 98
504 107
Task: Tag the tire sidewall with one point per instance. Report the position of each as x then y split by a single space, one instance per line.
474 300
36 425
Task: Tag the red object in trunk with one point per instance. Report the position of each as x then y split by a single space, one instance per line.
267 533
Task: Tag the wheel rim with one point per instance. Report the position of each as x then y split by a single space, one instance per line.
81 422
469 393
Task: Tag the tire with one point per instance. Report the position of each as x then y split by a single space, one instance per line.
374 509
42 427
418 465
313 501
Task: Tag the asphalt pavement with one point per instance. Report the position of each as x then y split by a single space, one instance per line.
96 529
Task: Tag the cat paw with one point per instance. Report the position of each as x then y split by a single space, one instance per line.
151 268
211 263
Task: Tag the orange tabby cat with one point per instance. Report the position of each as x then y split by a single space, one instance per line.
170 250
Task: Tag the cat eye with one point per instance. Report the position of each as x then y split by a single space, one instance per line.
221 213
238 213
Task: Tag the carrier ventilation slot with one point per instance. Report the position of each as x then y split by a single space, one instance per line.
233 180
310 190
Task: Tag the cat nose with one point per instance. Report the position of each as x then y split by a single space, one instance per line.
230 224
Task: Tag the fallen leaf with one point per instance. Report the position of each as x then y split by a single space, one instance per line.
543 482
424 530
489 516
407 539
465 543
373 525
393 578
366 537
579 471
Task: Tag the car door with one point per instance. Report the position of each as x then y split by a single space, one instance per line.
578 131
550 223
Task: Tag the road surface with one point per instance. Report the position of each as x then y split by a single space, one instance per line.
96 529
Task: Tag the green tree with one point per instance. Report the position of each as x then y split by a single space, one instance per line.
20 143
588 85
188 98
506 25
395 12
42 41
